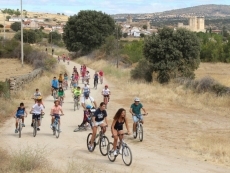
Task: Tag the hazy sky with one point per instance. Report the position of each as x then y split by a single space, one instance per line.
108 6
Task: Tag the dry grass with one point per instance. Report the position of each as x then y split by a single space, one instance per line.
12 67
8 35
7 107
57 50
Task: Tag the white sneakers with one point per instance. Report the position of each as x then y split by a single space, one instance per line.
115 153
134 134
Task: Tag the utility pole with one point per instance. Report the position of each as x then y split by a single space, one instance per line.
117 46
3 12
22 52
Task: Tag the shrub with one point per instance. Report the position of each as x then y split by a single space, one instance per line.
50 63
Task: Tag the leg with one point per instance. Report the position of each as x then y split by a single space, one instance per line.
22 119
115 137
93 135
16 123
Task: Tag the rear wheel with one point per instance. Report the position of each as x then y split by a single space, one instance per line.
140 131
111 156
88 142
74 105
104 141
77 104
135 136
127 155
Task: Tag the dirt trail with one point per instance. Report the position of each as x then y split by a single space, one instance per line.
71 146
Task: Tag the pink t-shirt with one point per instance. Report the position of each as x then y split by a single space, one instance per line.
56 109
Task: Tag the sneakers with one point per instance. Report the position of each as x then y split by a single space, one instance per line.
51 126
90 147
115 153
23 125
134 134
38 129
16 130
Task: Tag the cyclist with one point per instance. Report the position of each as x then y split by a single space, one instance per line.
76 76
55 113
95 79
66 79
85 89
61 94
54 85
106 92
77 93
87 77
60 79
88 100
101 74
135 110
36 94
19 114
74 69
97 119
86 118
117 127
37 110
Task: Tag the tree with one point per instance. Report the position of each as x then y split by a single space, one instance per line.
54 37
29 36
142 35
17 13
173 53
118 33
8 18
125 35
16 26
87 30
144 26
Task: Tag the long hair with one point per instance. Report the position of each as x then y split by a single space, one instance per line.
118 114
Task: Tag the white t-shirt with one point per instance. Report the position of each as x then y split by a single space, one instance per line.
86 89
88 101
37 109
87 76
37 94
106 91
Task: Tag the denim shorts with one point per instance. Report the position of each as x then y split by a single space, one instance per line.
56 116
135 119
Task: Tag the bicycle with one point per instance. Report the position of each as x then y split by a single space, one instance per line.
55 94
35 123
106 100
61 101
76 102
56 127
100 140
65 85
95 84
139 128
20 126
122 149
101 79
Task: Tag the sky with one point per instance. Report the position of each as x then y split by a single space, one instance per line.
71 7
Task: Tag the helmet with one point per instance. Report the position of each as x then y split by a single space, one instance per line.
39 97
136 99
88 107
106 85
86 94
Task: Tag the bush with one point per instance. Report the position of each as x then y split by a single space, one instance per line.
4 89
142 71
49 64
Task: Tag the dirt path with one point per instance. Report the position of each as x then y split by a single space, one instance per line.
71 146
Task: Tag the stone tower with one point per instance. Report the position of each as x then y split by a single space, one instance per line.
129 19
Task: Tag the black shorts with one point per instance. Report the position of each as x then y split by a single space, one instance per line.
55 88
59 81
118 128
106 95
37 116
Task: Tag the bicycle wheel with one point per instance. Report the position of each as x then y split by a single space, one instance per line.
111 156
140 131
57 130
74 105
88 141
127 155
104 141
77 104
19 129
35 128
135 136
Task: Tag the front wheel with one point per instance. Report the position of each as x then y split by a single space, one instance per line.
20 129
140 131
57 130
104 141
127 155
35 128
88 142
110 152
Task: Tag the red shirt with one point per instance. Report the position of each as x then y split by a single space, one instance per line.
101 73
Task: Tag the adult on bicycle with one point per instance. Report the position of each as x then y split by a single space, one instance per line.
61 94
95 78
135 110
117 127
54 85
37 110
106 92
55 113
98 120
85 89
19 114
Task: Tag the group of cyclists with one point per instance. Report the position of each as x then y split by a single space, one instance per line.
83 95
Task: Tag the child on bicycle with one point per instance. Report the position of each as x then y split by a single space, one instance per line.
66 79
135 110
55 113
106 92
117 127
77 93
19 114
61 94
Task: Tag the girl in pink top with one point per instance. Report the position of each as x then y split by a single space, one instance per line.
55 112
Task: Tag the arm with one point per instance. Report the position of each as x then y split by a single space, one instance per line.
26 113
83 105
112 127
15 114
61 111
95 104
131 111
106 121
144 110
93 118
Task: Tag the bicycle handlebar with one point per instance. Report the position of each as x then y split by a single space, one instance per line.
57 114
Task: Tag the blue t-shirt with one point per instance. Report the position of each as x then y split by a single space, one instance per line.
55 83
100 115
20 111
